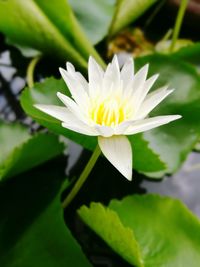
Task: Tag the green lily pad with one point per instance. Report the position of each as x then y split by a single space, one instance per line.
144 158
21 151
163 230
120 238
32 229
173 142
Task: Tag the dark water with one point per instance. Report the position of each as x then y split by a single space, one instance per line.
104 182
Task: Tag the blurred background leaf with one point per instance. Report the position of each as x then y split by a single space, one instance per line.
49 27
190 53
94 16
127 11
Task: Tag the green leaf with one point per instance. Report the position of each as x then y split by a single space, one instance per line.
94 16
47 26
163 228
32 229
144 159
128 11
106 223
174 141
21 151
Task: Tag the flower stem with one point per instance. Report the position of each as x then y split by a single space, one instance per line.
88 168
31 69
167 35
178 23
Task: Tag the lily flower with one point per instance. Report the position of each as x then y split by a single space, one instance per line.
112 104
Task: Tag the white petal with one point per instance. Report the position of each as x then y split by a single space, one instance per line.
152 100
140 77
150 123
80 127
111 77
108 78
140 93
121 128
134 86
77 89
127 71
95 76
69 120
117 149
127 75
72 106
77 76
115 68
70 67
60 113
105 131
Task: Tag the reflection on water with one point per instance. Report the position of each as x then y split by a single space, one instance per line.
12 81
184 185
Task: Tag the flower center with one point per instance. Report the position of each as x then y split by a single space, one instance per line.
109 112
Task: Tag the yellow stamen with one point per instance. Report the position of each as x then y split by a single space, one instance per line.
109 112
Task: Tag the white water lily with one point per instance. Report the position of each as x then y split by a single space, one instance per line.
113 104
